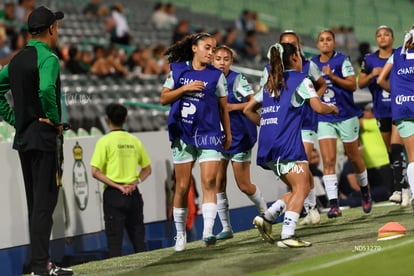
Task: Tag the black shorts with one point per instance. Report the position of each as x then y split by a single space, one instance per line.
385 124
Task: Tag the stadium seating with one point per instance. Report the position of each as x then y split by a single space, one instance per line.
87 95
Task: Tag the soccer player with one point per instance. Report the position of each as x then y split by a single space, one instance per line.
340 79
244 136
197 92
280 143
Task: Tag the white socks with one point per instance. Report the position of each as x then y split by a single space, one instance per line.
289 224
310 200
258 200
410 176
331 186
223 211
275 210
180 217
209 215
362 178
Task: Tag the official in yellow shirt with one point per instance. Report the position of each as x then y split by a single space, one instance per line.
115 162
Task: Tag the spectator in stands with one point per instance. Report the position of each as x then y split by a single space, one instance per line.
95 9
17 42
23 9
8 19
218 36
143 65
73 63
117 25
159 17
251 48
121 163
350 38
172 18
86 59
181 30
109 65
231 39
259 26
98 52
158 53
245 22
5 50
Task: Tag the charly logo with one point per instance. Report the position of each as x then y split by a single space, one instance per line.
80 178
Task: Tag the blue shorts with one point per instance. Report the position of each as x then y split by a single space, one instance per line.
184 153
347 131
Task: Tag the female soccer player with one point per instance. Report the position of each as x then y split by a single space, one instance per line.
371 67
399 68
340 79
244 136
280 143
310 124
197 92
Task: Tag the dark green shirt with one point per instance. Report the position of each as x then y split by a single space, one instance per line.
33 78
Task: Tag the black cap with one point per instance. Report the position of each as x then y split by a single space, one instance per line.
41 18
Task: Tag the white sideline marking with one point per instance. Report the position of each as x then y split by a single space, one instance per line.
347 259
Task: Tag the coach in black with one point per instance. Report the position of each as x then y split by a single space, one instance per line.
33 78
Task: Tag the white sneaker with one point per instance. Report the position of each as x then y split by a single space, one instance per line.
395 197
180 242
313 217
405 197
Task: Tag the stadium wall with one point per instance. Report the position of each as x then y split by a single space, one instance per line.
78 232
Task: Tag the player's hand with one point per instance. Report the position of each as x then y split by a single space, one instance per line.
194 86
227 142
335 110
59 127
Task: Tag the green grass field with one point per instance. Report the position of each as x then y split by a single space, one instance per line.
342 246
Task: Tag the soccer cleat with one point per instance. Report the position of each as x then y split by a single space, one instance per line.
334 212
209 241
56 270
366 203
405 197
395 197
265 228
313 217
223 235
293 242
180 242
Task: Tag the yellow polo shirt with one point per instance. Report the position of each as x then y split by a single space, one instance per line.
118 155
375 152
